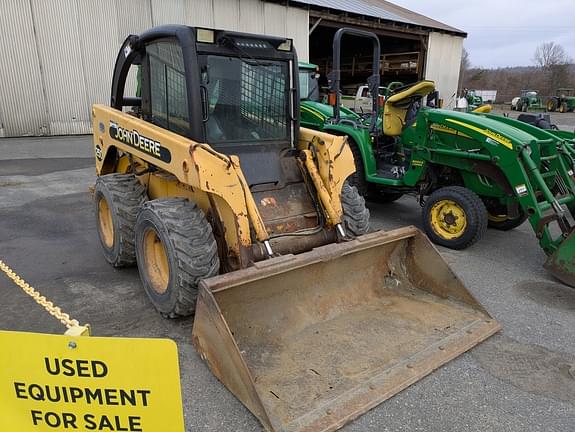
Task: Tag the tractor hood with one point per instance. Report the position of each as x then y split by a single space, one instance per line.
326 111
484 127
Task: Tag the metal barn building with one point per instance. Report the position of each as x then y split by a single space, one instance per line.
58 55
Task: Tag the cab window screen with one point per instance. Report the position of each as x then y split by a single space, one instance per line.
248 99
168 93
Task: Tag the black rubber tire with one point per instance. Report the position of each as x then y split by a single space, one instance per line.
124 195
508 224
525 107
190 248
357 179
355 213
551 105
475 212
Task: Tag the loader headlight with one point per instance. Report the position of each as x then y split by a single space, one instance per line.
285 46
205 35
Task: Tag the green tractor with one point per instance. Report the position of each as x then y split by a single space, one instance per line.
474 101
467 170
563 101
529 100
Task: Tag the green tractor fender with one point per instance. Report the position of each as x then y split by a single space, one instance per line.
360 140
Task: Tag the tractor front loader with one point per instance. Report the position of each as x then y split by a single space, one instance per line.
234 212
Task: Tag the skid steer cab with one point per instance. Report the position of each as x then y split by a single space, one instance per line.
208 183
187 106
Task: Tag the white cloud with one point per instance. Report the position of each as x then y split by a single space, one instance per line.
503 32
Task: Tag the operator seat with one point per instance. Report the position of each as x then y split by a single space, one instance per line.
398 105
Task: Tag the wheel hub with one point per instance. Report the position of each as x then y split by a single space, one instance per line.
106 223
448 219
156 261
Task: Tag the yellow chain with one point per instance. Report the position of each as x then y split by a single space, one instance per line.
53 310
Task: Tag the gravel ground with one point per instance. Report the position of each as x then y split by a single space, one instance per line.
522 379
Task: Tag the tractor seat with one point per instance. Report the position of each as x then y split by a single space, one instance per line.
396 106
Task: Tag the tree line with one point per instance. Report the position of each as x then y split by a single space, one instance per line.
553 69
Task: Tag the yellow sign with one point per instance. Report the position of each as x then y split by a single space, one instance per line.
63 383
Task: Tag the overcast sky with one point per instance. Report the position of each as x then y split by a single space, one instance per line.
503 32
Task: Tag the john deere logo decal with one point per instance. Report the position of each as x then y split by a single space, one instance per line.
99 154
140 142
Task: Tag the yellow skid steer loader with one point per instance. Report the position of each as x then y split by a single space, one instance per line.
231 210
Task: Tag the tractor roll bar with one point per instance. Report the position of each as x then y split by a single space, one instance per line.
334 76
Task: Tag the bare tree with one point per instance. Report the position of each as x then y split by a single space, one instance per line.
463 68
550 54
553 60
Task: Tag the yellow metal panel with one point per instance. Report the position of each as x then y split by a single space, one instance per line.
333 158
90 383
195 165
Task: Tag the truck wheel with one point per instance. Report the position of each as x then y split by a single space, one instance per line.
551 105
357 179
176 249
355 214
117 199
454 217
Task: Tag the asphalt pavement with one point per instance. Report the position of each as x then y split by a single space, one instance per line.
522 379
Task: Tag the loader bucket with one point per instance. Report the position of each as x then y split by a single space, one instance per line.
309 342
561 263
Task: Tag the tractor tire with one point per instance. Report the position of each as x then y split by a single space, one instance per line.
563 108
355 214
551 105
357 179
524 107
176 249
503 223
118 199
454 217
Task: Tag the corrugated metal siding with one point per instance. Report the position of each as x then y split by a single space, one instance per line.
58 56
168 12
200 13
22 101
248 10
61 59
442 65
99 29
227 14
298 29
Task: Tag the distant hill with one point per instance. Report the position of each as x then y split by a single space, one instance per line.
509 81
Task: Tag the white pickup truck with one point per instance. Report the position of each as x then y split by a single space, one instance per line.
361 101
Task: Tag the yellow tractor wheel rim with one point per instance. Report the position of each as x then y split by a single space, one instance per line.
106 223
496 218
448 219
156 261
549 106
